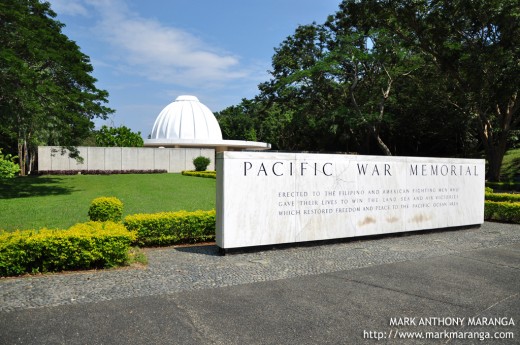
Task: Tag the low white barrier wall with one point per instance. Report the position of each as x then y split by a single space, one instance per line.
123 158
272 198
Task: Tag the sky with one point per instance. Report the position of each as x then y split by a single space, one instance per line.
146 53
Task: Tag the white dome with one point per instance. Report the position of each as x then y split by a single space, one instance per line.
186 118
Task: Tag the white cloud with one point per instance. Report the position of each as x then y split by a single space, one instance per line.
68 7
162 53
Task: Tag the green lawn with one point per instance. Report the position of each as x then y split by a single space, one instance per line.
510 165
61 201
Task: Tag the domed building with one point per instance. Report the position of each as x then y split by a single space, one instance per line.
184 130
187 122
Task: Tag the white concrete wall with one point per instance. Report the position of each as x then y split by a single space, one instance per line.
129 158
173 160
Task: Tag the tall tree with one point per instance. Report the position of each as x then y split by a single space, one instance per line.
47 93
476 47
338 79
303 93
368 63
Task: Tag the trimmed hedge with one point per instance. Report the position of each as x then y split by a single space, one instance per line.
503 197
166 228
207 174
82 246
101 172
502 211
105 208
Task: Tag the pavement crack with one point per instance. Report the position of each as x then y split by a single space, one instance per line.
486 261
496 303
400 291
202 334
485 310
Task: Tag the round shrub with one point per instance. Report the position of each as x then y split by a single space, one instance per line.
201 163
103 209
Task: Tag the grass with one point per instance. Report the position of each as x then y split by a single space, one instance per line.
136 257
510 165
62 201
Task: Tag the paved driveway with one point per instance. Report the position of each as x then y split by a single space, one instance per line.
432 284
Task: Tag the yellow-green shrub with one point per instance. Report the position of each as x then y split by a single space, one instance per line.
502 211
503 197
172 227
207 174
82 246
104 208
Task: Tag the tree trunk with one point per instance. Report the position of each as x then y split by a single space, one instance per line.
380 143
21 157
25 157
495 143
495 152
494 167
31 156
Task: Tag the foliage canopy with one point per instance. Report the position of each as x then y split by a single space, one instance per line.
118 137
47 93
431 78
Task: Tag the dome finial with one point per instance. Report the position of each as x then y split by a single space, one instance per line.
186 118
187 98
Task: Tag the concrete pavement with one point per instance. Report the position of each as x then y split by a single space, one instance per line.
470 283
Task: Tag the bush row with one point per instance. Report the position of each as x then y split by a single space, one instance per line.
168 228
504 185
208 174
503 197
82 246
101 172
502 211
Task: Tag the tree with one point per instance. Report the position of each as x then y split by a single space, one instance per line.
338 79
237 123
118 137
302 94
368 63
433 78
476 47
47 95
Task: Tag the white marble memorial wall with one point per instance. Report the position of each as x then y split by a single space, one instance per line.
272 198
